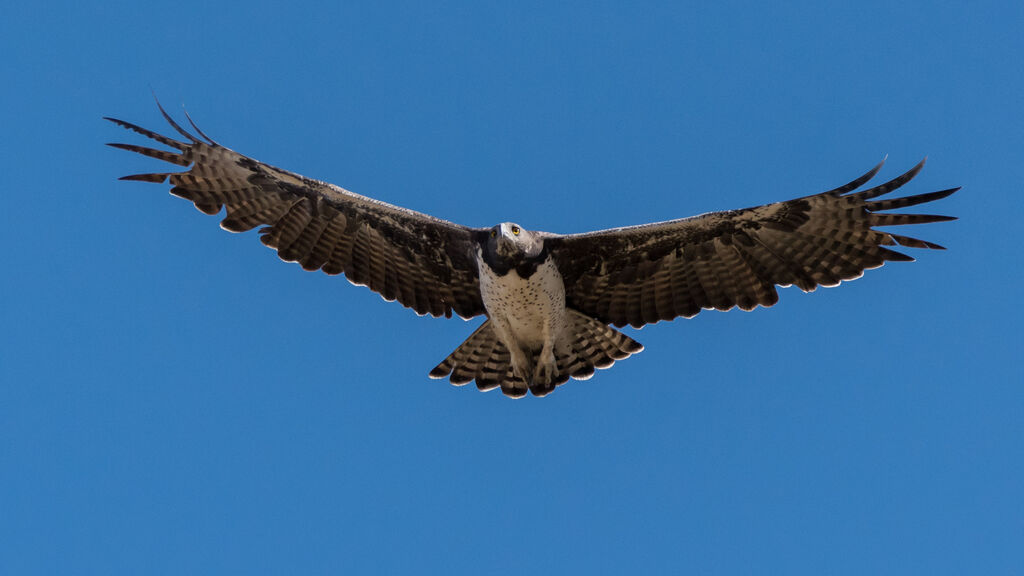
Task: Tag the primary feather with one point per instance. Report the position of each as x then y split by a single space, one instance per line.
548 298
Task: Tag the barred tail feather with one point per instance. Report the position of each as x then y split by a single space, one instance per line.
593 345
589 345
483 358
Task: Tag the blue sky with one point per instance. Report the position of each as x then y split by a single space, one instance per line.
174 399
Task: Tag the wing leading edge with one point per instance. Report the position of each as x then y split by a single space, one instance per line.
423 262
643 274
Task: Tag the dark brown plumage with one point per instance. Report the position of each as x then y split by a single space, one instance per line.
635 275
403 255
643 274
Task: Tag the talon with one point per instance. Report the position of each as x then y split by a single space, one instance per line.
547 367
521 367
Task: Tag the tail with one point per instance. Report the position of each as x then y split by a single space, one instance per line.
589 345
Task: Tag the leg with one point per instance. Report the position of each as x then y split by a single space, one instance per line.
522 365
547 367
522 362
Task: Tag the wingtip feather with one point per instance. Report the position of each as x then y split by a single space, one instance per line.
174 124
154 178
860 180
197 129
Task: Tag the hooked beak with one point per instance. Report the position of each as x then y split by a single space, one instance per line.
505 246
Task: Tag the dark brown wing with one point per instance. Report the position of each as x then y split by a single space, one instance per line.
643 274
425 263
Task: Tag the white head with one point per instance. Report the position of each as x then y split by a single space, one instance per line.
509 242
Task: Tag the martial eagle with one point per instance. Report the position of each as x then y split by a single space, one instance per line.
550 299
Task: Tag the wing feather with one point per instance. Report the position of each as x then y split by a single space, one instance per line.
425 263
643 274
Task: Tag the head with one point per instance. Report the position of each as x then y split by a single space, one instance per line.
511 243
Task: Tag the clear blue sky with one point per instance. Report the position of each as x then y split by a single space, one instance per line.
176 400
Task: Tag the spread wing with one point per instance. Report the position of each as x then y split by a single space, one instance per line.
425 263
642 274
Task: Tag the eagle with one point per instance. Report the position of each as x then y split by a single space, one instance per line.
553 302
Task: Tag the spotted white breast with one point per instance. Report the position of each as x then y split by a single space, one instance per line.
531 309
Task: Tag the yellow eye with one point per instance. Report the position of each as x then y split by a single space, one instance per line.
494 233
515 230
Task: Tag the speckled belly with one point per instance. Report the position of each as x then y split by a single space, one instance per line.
526 306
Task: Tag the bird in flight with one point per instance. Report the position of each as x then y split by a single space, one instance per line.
552 302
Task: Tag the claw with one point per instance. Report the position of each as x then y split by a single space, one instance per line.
521 365
547 367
